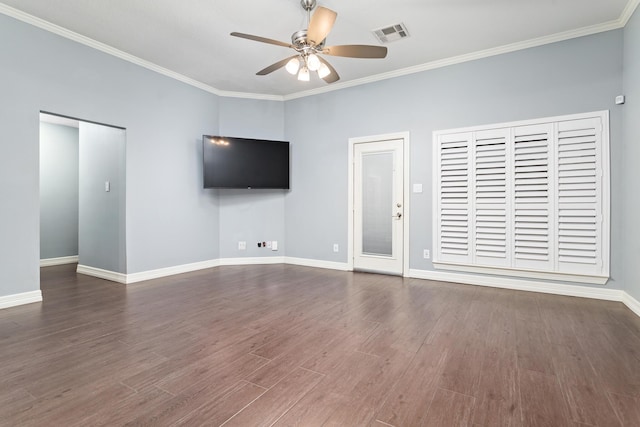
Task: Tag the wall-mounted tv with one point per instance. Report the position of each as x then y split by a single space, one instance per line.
231 162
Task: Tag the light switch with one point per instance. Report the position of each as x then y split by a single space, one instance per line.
274 245
107 186
417 188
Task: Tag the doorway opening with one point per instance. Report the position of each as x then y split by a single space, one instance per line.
82 195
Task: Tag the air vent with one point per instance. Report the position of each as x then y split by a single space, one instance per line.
391 33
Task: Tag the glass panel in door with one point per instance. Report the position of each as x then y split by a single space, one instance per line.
377 202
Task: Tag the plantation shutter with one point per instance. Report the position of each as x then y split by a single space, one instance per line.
490 214
533 209
579 196
454 199
529 199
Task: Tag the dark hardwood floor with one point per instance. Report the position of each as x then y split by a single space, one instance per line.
285 345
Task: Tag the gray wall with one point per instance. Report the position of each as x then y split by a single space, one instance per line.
574 76
58 191
101 212
171 220
251 215
631 175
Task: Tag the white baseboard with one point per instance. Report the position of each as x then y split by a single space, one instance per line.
520 285
252 260
307 262
20 299
170 271
102 274
48 262
186 268
442 276
632 303
531 286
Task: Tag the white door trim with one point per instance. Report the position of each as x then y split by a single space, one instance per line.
404 136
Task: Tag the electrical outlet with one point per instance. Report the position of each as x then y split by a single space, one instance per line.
242 246
336 248
269 244
427 254
274 245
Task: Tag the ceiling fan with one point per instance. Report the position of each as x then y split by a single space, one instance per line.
310 43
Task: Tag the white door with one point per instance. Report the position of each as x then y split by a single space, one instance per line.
378 206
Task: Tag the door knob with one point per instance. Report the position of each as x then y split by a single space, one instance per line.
397 216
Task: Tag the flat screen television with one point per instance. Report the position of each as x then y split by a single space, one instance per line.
231 162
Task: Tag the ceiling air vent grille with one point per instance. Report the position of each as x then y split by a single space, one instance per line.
391 33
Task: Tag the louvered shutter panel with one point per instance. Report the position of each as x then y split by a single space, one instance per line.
490 198
579 197
529 199
453 156
533 224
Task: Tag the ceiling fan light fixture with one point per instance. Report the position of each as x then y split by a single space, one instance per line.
293 66
303 75
310 43
323 71
313 62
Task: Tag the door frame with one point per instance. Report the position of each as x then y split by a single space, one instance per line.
122 254
404 136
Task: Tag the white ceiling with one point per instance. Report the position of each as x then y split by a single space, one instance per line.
191 37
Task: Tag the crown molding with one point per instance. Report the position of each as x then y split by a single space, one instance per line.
247 95
540 41
513 47
627 13
79 38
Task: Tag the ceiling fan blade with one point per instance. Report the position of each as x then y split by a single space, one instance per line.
321 23
356 51
261 39
333 77
271 68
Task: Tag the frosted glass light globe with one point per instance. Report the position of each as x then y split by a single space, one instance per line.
293 65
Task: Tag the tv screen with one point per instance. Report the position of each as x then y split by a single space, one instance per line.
231 162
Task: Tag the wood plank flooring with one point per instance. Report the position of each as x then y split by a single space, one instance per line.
294 346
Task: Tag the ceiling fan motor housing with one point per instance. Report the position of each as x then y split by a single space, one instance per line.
308 4
299 38
299 41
